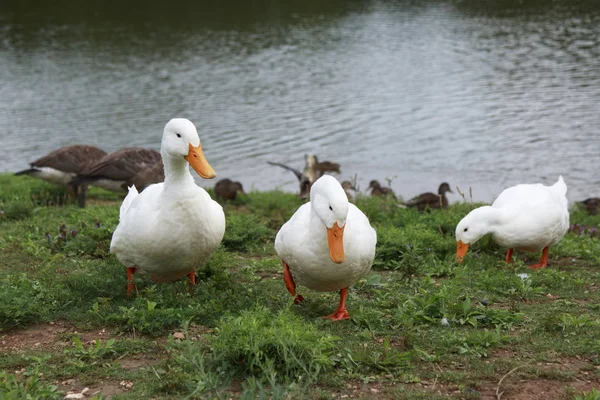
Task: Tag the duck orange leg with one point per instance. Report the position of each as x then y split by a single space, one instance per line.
130 282
340 313
289 283
192 277
543 261
508 259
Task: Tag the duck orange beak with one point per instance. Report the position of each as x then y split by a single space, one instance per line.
335 239
197 160
461 250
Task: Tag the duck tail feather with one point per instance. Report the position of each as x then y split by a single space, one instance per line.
127 201
26 171
561 186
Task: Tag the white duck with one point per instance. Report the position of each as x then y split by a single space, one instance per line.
171 228
328 244
529 217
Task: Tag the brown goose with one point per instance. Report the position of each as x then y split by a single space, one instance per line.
61 165
592 205
121 169
228 189
431 200
378 190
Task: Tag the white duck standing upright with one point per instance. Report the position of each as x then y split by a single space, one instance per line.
328 244
171 228
529 217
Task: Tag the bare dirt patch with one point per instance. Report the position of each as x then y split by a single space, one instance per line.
47 336
108 388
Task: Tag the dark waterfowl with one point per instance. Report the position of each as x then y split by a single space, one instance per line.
431 200
313 170
119 170
378 190
348 187
326 166
592 205
228 189
62 165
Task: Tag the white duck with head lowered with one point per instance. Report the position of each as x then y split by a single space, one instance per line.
530 217
171 228
328 244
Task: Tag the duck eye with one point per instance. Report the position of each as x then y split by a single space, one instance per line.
330 208
466 229
178 135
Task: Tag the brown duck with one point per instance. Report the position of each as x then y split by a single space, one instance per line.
592 205
431 200
228 189
62 165
378 190
313 170
119 170
348 187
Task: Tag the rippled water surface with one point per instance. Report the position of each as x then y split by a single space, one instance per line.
477 93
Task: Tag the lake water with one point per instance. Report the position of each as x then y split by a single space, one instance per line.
480 93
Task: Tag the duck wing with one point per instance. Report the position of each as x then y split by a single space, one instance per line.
295 171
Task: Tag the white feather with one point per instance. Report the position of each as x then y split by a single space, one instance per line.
525 216
302 243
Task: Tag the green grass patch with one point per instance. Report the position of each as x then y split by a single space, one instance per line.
419 317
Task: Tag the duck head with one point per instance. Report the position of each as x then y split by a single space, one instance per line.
473 227
237 186
329 202
444 187
347 185
181 142
374 185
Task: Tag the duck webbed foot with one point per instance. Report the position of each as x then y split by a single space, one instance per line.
340 313
543 261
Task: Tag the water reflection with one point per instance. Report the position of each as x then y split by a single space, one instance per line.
480 93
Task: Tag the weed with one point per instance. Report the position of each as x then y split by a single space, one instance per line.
95 351
245 233
26 386
593 395
260 343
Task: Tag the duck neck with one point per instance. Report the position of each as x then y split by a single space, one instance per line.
177 171
492 216
317 225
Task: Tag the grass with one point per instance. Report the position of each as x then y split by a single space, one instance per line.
423 326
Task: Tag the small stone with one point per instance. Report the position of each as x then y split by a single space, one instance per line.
484 303
444 322
84 391
51 322
373 390
178 336
126 384
75 396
